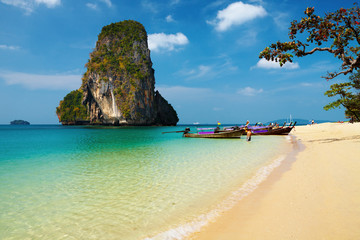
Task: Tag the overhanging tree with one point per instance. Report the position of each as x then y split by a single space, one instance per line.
341 29
349 93
337 33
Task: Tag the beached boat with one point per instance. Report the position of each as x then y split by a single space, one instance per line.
273 131
235 131
211 133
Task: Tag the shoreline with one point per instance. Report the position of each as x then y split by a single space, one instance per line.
313 194
247 188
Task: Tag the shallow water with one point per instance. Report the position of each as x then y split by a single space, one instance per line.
122 183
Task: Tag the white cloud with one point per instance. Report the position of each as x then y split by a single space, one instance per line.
174 2
92 6
265 64
95 6
236 13
305 84
37 81
282 20
313 84
249 38
150 6
167 42
107 2
30 5
49 3
169 18
249 91
7 47
219 69
199 72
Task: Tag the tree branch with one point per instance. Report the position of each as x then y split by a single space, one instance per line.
320 49
335 74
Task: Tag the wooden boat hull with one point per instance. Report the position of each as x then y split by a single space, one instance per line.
223 134
276 131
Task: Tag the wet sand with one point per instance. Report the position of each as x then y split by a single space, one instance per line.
314 194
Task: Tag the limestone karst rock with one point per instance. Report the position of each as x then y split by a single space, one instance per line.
118 87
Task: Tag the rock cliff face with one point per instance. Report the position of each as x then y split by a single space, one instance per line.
118 86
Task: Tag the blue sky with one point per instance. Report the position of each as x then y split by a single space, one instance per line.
205 56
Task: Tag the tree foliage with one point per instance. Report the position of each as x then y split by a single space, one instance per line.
71 109
349 93
338 31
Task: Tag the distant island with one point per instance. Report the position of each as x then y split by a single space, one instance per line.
298 121
19 122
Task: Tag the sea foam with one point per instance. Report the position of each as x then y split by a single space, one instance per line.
248 187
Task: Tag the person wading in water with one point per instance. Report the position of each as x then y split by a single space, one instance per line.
248 131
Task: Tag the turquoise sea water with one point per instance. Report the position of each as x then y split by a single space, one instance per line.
61 182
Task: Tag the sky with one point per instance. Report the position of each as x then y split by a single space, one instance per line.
205 55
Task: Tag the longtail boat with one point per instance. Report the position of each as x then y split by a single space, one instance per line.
235 131
215 134
273 131
212 133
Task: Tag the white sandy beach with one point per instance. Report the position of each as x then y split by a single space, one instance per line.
314 195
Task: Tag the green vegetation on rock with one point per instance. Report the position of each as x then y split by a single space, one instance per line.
121 52
71 109
128 30
118 85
